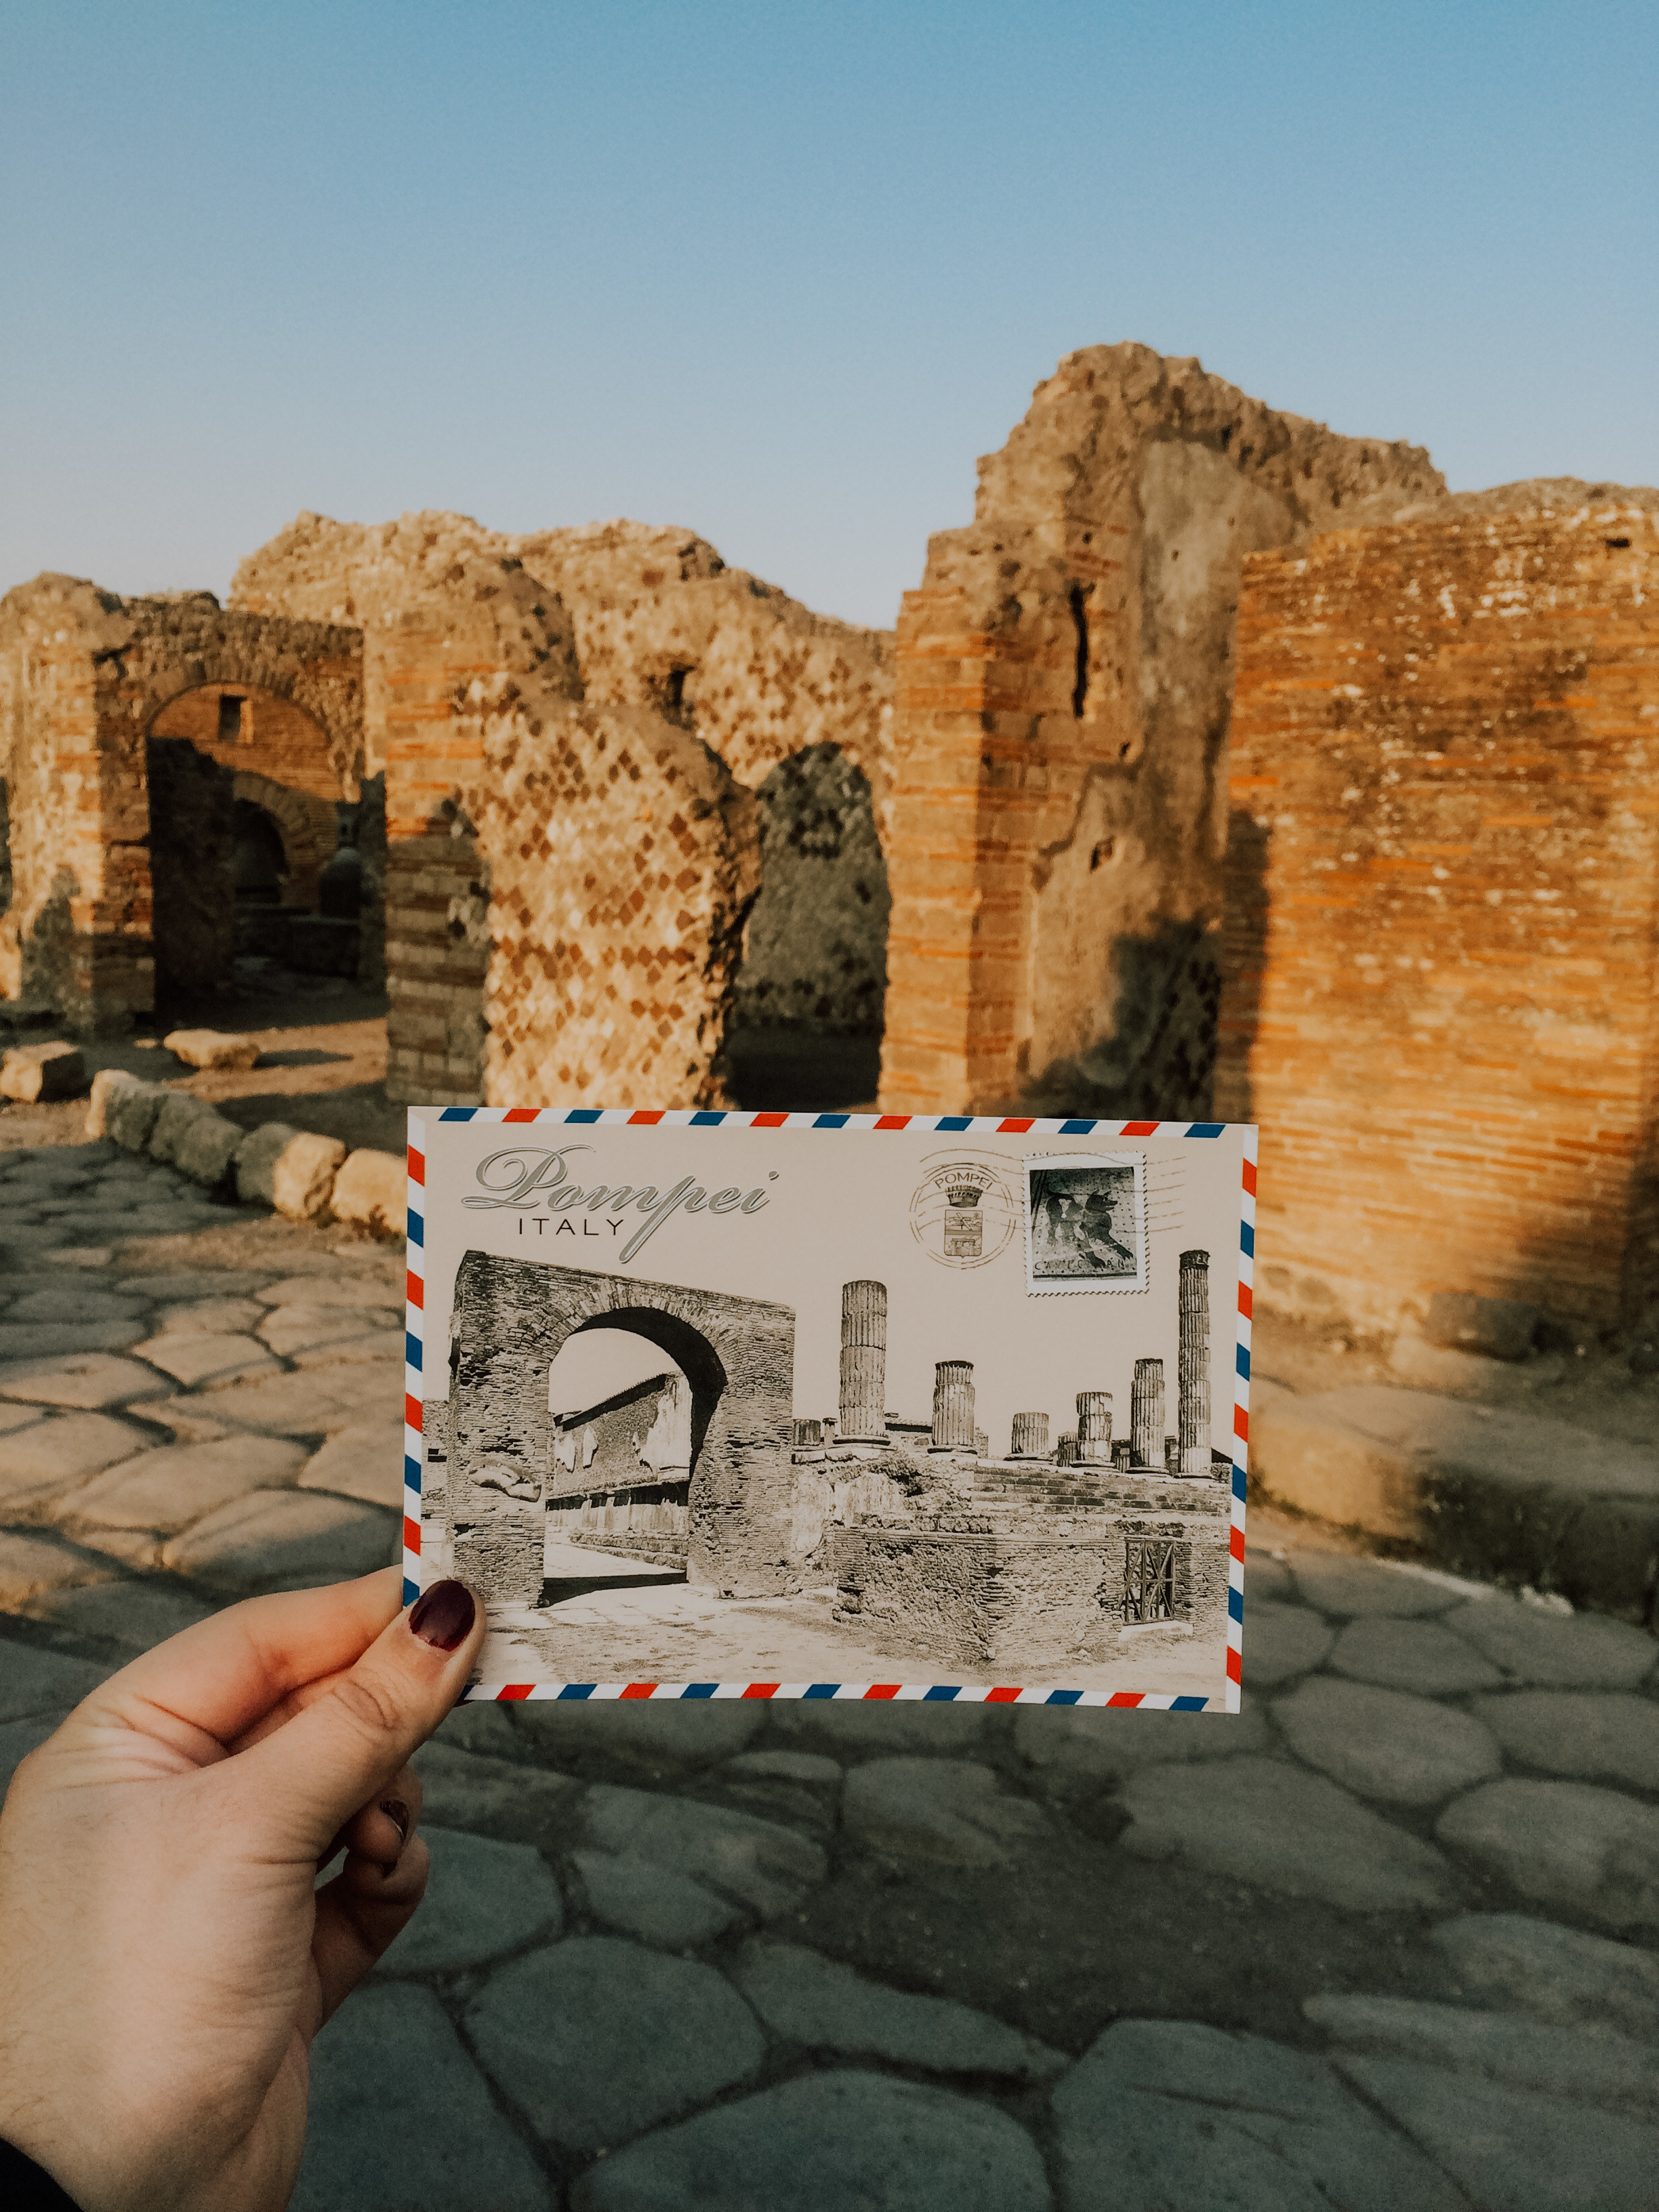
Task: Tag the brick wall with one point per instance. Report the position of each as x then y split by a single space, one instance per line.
84 676
1441 895
1056 829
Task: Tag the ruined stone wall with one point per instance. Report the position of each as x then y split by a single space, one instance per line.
511 1320
1442 892
1063 680
84 677
623 615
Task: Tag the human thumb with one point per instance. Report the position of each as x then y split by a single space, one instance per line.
314 1772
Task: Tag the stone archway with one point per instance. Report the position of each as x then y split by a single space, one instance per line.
510 1319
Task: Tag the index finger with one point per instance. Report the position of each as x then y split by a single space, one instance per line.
221 1677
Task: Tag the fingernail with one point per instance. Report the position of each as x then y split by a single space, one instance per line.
444 1615
397 1812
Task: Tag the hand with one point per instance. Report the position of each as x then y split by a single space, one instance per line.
165 1956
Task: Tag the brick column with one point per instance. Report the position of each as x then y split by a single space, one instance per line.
1065 1450
1031 1437
1146 1413
1193 1372
864 1362
953 1406
1094 1427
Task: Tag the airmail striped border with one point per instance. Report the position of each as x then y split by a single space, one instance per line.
955 1124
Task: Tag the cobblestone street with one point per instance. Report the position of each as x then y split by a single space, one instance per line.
1387 1939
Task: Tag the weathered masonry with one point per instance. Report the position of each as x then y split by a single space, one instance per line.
1064 680
1442 891
140 741
634 807
512 1317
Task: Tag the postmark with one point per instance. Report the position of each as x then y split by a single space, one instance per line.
963 1214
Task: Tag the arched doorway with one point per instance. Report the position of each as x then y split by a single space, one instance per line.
812 991
246 817
627 1423
511 1322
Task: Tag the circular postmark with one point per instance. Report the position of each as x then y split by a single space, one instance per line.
963 1213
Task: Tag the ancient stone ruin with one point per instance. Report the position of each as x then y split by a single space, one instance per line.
968 1557
617 825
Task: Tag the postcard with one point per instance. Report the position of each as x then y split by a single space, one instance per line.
834 1405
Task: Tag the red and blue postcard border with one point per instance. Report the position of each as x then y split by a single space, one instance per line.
955 1124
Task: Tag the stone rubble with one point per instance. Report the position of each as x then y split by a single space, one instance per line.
1389 1936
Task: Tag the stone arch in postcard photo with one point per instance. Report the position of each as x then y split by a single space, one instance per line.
512 1318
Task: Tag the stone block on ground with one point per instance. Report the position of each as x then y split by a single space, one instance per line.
294 1328
31 1565
210 1317
366 1461
946 1812
1385 1745
35 1074
623 2039
34 1681
1167 2113
1081 1747
669 1912
806 1999
1512 2150
272 1538
1574 1651
1552 1973
192 1137
493 1798
129 1113
91 1381
167 1488
52 1451
1280 1642
760 1863
296 1405
1266 1823
338 1286
104 1083
400 2116
212 1048
1500 1329
483 1900
1419 1655
1609 1736
1593 2069
371 1188
291 1169
1349 1589
208 1362
1566 1846
827 2143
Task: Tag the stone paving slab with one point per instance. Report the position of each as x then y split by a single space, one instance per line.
1515 2151
827 2143
625 2038
400 2116
1592 2067
1170 2113
484 1900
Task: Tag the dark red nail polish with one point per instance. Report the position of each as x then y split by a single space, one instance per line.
397 1812
444 1615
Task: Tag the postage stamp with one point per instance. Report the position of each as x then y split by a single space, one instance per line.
1085 1222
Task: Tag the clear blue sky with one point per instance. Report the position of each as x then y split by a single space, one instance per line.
780 273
